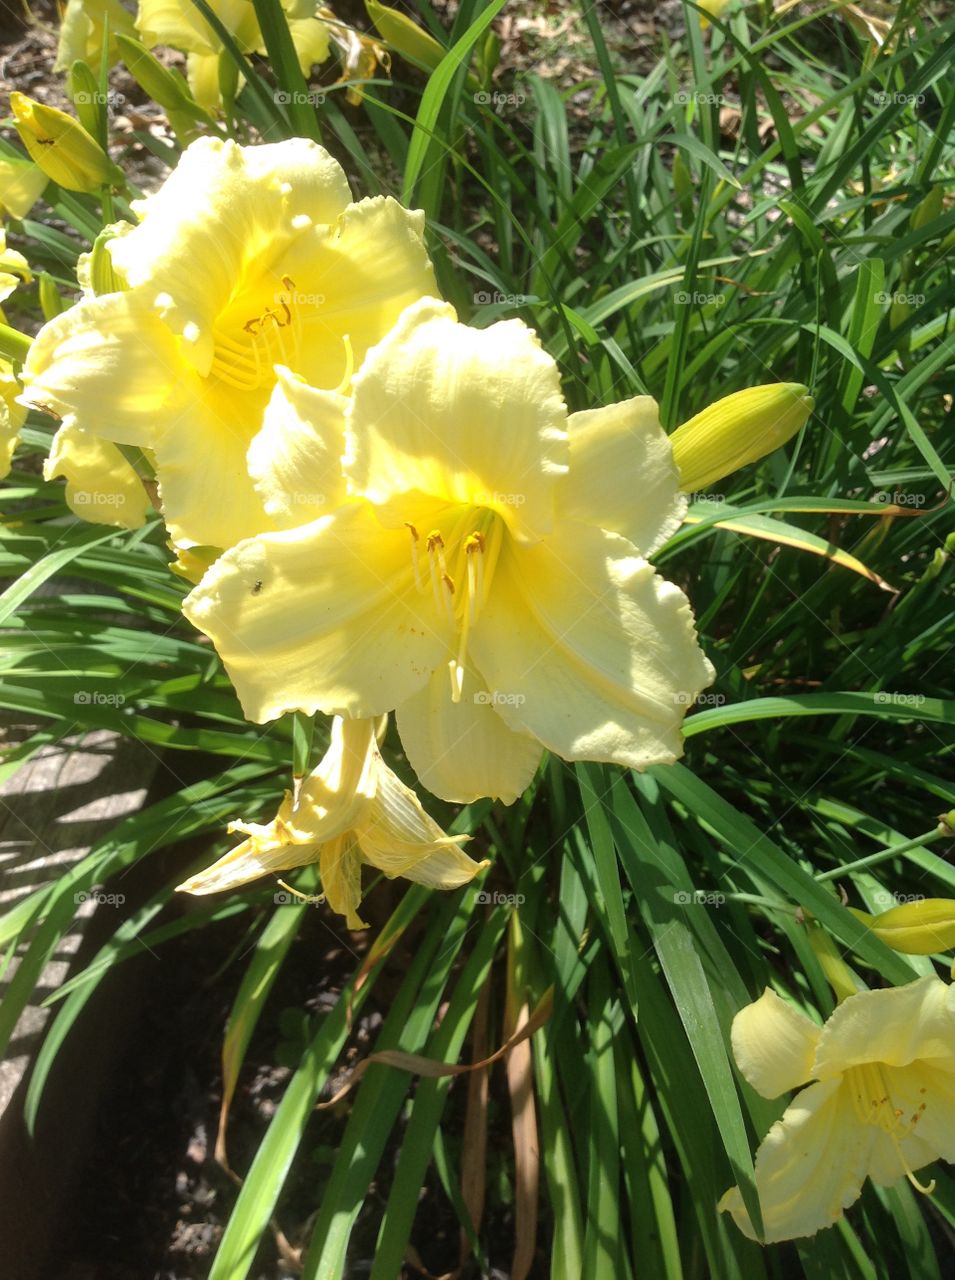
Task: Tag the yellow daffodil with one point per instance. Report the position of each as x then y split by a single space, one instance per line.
247 262
21 184
352 810
83 27
737 430
487 575
881 1105
12 416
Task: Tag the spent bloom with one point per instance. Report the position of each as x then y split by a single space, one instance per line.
881 1104
351 811
249 261
486 576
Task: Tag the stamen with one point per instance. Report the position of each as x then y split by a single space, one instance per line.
873 1105
343 386
414 556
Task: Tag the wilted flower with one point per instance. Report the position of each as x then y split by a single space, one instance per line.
352 810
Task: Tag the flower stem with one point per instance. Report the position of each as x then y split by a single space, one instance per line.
873 859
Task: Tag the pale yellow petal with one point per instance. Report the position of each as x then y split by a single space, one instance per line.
473 416
774 1044
894 1025
589 650
353 280
202 76
101 485
340 866
222 218
310 38
21 184
397 837
295 461
464 750
181 24
810 1167
335 795
12 416
326 617
622 475
266 850
111 364
923 1097
208 497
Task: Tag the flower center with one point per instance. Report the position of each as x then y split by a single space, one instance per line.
457 568
872 1099
247 349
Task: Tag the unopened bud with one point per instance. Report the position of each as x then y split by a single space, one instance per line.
915 928
405 36
62 147
737 430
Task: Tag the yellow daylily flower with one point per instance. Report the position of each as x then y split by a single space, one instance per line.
352 810
247 261
881 1105
179 23
12 416
101 485
82 28
737 430
21 184
487 575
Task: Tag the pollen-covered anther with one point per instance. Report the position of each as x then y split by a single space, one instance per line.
272 337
